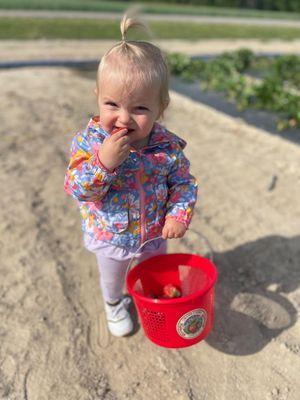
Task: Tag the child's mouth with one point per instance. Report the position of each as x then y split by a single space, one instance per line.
117 129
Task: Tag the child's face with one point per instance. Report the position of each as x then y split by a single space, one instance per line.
136 111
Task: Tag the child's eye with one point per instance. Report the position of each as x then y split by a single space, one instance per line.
142 108
111 103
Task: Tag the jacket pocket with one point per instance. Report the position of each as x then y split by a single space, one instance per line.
115 222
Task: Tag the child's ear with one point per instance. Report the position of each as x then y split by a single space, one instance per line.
96 91
162 110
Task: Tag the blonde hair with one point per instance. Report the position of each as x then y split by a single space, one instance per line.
136 63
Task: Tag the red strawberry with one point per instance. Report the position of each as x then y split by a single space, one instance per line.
116 130
170 291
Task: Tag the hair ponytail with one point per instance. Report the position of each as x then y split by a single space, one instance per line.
131 20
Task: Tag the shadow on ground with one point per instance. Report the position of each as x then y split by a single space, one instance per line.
251 306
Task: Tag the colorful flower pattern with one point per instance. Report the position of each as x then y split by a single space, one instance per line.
129 206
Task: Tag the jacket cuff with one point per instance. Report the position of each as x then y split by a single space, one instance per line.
103 167
180 215
102 174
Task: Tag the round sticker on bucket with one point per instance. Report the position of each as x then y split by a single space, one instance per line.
191 324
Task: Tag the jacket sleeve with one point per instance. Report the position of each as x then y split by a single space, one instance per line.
182 190
86 179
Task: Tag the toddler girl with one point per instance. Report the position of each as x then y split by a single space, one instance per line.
127 172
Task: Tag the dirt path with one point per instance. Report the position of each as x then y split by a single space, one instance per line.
54 343
16 50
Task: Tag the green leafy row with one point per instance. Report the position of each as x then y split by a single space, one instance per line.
249 80
283 5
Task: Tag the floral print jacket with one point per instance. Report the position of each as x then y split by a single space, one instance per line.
129 206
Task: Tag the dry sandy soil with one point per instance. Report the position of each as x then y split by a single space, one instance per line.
12 50
54 342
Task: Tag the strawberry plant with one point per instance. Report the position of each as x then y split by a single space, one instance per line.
287 68
277 91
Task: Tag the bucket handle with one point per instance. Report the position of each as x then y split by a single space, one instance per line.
210 256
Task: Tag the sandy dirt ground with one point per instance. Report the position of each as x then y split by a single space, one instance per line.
54 341
16 50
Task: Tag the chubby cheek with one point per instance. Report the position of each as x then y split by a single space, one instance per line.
145 125
107 120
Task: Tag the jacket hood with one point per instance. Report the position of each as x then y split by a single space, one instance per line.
158 136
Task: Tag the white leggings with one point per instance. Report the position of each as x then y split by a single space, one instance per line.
113 262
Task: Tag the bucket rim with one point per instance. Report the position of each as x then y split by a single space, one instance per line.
176 300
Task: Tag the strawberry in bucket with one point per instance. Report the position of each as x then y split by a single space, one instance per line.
170 291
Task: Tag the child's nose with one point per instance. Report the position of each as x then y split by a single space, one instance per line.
124 117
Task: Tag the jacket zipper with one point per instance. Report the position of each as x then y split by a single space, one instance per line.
142 203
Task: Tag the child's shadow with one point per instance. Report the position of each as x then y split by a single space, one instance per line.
251 305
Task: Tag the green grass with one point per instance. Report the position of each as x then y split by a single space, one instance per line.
161 8
34 28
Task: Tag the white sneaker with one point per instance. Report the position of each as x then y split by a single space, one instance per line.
118 318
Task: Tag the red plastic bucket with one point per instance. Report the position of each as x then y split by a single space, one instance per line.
178 322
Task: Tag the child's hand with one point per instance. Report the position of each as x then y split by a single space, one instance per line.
173 229
115 149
